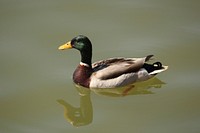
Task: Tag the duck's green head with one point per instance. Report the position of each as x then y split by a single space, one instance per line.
83 44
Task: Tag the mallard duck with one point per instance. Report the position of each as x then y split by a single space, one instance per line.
112 72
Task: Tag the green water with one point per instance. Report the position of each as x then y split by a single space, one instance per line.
37 94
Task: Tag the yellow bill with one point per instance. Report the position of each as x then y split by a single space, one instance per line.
65 46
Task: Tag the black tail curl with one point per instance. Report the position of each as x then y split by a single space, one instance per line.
152 67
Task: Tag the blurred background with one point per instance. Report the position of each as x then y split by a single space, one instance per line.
35 77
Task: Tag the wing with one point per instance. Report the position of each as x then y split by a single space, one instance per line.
114 67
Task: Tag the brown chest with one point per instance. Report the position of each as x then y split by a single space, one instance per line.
82 75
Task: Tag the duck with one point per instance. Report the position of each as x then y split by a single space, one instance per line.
111 72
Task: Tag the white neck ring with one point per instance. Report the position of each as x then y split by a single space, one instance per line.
84 64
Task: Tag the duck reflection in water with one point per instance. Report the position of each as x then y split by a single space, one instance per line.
79 116
83 115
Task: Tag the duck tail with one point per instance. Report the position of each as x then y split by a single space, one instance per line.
148 57
154 68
